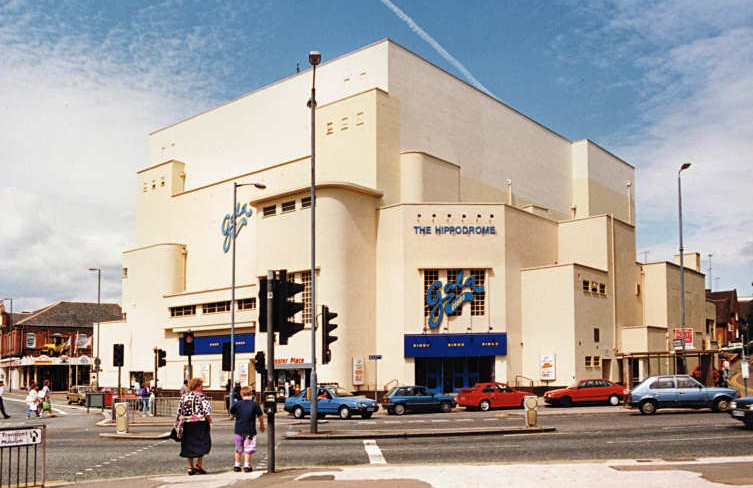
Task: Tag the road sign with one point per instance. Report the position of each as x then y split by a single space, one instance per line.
746 369
374 357
23 437
677 343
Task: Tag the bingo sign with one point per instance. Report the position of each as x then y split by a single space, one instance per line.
21 437
548 364
688 338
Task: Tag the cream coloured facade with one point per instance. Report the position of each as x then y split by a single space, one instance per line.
421 179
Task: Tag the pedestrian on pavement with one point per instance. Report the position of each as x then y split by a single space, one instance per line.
235 397
3 389
246 412
32 401
143 399
194 410
152 395
184 388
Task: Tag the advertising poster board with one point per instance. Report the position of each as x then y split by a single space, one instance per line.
358 371
548 372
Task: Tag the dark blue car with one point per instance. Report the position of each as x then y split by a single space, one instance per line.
331 401
415 398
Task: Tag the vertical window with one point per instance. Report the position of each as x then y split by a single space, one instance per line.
596 361
602 289
586 285
596 334
478 305
305 279
588 361
452 276
125 272
430 276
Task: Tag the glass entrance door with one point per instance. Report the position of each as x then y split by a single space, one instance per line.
447 375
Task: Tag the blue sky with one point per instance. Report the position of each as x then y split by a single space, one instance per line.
83 83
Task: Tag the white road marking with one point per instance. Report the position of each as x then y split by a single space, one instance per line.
490 420
679 439
373 451
464 420
89 469
436 421
391 421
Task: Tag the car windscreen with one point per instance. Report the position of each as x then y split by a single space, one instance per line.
392 390
574 385
342 392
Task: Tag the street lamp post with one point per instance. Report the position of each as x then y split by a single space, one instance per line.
234 234
10 327
314 58
97 359
682 262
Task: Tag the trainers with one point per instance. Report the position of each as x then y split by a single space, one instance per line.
237 469
247 469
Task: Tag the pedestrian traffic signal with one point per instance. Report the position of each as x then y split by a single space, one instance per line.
117 355
259 362
285 309
161 358
188 344
226 362
261 322
327 328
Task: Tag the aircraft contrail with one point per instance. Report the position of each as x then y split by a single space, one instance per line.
437 47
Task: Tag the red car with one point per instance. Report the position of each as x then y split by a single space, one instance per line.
490 395
586 391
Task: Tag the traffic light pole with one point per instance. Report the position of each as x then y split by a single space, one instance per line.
270 369
313 387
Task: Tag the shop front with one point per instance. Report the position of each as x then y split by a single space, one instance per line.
446 362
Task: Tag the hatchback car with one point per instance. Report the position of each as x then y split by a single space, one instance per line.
586 391
77 394
678 391
490 395
331 401
415 398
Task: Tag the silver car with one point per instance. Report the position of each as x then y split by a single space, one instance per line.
678 391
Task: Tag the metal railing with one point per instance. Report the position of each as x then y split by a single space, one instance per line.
23 456
164 406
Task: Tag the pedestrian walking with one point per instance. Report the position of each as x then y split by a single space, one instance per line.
194 412
32 401
45 399
3 389
246 411
152 395
143 399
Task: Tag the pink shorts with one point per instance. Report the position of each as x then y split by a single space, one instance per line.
248 446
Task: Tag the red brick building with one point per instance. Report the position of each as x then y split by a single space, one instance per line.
52 343
727 315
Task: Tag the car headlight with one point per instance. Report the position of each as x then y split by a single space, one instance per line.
361 404
750 407
733 405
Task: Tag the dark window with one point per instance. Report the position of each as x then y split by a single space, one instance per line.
270 210
182 310
305 202
452 276
478 303
489 389
596 334
246 303
663 384
687 382
215 307
288 206
430 276
586 286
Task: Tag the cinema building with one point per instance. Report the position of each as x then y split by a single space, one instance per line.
457 238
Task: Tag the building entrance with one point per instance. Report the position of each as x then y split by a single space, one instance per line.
446 375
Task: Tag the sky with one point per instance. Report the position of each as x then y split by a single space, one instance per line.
83 83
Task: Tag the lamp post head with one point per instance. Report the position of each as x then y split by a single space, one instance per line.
315 57
684 166
260 186
93 269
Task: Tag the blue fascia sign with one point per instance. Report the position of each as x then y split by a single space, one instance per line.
454 297
242 213
213 344
454 345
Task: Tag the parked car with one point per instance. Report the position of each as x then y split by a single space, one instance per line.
331 401
586 391
77 394
678 391
490 395
401 399
742 410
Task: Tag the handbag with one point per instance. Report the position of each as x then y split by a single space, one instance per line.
176 433
46 405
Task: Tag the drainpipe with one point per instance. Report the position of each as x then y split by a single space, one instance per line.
629 202
613 272
508 182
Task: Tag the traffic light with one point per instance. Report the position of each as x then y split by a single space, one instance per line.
117 355
327 328
261 322
161 358
285 309
259 362
226 356
188 344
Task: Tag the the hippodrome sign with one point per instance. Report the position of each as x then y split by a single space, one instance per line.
453 299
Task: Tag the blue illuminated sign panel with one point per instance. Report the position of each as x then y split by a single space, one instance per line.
241 214
454 345
454 297
213 344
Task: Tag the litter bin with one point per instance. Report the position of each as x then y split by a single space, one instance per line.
94 400
530 403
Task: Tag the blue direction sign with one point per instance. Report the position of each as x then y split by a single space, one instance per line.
374 357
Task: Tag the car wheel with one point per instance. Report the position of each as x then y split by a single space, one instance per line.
366 415
298 412
399 409
344 412
390 411
445 407
614 400
566 401
648 407
721 405
484 405
69 402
